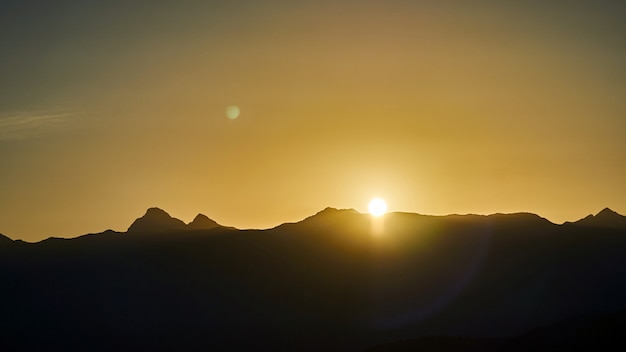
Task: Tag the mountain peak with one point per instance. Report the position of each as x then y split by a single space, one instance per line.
327 210
331 210
605 218
202 222
154 211
608 212
156 220
329 213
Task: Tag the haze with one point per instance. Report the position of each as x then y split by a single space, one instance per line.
108 108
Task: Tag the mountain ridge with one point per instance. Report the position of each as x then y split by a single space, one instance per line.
5 239
156 220
333 276
605 218
202 222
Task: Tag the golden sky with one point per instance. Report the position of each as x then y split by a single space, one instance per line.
108 108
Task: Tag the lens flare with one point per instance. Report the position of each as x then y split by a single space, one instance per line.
232 112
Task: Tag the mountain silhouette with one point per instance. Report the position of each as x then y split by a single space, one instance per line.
605 218
202 222
4 239
156 221
333 281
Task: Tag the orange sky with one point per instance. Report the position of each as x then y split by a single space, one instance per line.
436 106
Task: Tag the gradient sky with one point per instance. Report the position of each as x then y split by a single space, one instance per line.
110 107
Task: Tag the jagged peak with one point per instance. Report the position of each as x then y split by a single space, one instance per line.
607 212
156 220
605 218
200 217
154 211
202 222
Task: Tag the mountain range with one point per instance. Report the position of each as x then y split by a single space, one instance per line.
338 280
156 220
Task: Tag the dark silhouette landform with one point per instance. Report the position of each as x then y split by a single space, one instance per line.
338 280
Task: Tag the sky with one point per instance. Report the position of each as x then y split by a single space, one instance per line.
438 107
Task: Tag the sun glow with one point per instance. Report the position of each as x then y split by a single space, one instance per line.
377 207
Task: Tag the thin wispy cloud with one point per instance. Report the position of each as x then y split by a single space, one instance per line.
32 124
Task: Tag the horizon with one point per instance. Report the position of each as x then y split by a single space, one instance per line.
187 222
336 281
261 113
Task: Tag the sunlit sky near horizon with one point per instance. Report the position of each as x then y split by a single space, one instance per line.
110 107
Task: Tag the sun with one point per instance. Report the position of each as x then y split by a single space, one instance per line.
377 207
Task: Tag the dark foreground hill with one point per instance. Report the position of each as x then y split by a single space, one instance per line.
338 280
